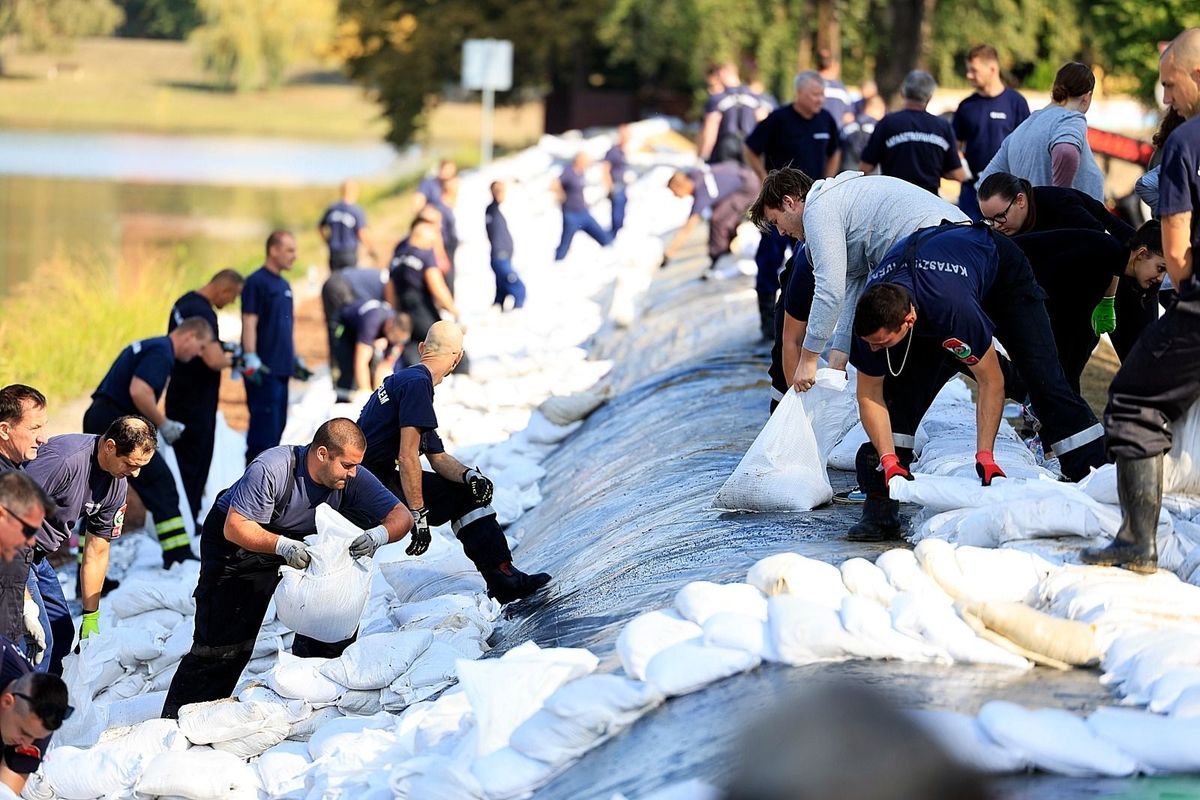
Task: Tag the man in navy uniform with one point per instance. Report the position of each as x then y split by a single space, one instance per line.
351 285
729 116
85 477
400 425
134 385
419 285
575 214
267 346
366 327
930 310
1160 379
32 707
721 194
508 282
983 120
617 176
196 384
803 136
258 525
343 227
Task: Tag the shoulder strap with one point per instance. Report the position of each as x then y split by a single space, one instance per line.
288 487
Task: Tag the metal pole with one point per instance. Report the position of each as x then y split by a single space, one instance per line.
485 145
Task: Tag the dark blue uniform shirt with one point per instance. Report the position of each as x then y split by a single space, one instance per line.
449 226
344 221
431 187
366 319
1179 180
67 469
195 388
951 274
497 232
365 283
739 110
914 146
572 186
618 166
149 359
408 267
403 400
981 123
270 297
797 301
837 101
786 139
712 184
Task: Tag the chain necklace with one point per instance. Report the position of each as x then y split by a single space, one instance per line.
887 353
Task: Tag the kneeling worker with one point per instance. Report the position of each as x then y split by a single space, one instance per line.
400 424
258 525
930 310
366 329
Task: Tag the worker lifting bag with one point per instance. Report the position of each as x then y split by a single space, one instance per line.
783 470
325 600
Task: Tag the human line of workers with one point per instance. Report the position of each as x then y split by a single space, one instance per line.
880 272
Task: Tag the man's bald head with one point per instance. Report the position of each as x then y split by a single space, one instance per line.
1179 70
444 338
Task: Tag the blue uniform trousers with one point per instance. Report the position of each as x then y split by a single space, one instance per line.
575 221
55 615
508 283
267 401
771 250
617 198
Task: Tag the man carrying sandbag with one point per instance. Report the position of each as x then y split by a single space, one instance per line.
400 425
931 309
259 524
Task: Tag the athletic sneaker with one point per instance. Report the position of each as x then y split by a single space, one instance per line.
850 497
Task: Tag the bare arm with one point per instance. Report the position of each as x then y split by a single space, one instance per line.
409 459
833 164
144 401
793 340
362 365
1177 246
681 236
708 135
990 405
248 534
958 174
250 333
447 466
436 282
93 570
398 523
11 779
214 357
874 414
755 162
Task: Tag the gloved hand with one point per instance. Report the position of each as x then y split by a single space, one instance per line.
1104 316
172 430
299 371
90 624
421 537
35 634
480 487
294 552
986 467
252 368
666 259
891 468
365 545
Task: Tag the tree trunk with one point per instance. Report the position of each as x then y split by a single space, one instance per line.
903 46
829 28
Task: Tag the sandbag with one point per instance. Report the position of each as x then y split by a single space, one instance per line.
783 470
792 573
936 623
325 600
505 774
1054 740
699 600
1181 471
199 774
282 769
1063 640
691 665
872 634
603 701
1165 691
968 743
133 710
563 410
832 409
646 634
76 774
739 631
375 661
1158 744
433 778
845 452
554 740
864 579
221 720
433 671
804 632
301 679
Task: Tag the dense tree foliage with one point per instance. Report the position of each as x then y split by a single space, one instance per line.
249 44
53 24
158 19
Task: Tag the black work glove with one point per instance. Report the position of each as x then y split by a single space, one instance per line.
480 487
421 537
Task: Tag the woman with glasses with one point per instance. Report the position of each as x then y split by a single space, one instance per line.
1051 147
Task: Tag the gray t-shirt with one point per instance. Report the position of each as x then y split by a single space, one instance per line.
1026 151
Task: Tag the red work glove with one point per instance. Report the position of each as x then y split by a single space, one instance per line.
986 467
891 468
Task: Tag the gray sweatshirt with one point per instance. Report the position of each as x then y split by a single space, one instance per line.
850 222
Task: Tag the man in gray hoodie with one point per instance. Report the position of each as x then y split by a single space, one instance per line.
848 224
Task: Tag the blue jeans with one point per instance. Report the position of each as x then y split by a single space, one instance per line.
508 283
54 615
968 201
618 208
771 249
575 221
267 402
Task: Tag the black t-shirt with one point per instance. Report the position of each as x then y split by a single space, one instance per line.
786 139
1074 266
1058 208
798 296
914 146
149 359
195 388
26 759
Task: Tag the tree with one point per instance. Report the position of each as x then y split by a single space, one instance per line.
1125 34
159 19
53 24
249 44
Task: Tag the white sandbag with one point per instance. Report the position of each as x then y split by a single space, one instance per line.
699 600
505 774
968 743
469 642
303 730
340 734
360 703
433 671
76 774
301 679
505 692
1054 740
1181 471
792 573
199 774
804 632
904 573
1036 518
832 409
603 701
555 740
282 769
1170 685
133 710
563 410
691 665
1002 574
845 452
939 493
739 631
166 618
937 624
1158 744
433 778
256 743
872 634
375 661
325 601
174 648
542 431
140 595
230 719
864 579
783 470
445 726
646 634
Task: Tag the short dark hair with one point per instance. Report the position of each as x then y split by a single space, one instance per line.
21 492
131 434
1073 80
197 325
1004 185
825 58
12 401
983 52
884 305
339 435
228 276
779 183
46 695
276 238
1148 236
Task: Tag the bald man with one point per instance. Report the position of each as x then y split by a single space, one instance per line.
400 425
343 226
1160 378
258 525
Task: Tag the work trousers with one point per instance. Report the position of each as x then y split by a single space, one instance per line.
335 295
772 250
574 222
1158 382
56 621
779 382
729 212
344 348
341 259
420 308
618 199
154 484
194 452
508 283
267 401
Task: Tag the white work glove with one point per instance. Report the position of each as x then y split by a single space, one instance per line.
294 552
365 545
35 635
172 430
252 363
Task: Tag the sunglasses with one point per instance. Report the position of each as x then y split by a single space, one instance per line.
47 712
1001 218
28 530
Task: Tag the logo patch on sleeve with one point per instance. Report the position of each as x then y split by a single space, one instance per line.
119 521
28 750
960 350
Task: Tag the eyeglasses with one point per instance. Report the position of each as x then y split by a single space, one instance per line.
28 530
48 713
1002 217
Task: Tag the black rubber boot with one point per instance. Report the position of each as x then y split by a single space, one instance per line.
1139 485
177 555
880 521
506 583
766 316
